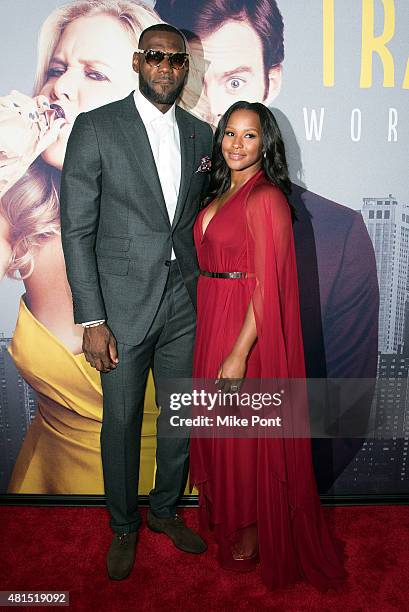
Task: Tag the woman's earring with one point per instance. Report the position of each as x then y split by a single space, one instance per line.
264 154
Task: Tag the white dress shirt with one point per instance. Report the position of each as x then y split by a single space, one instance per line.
163 134
164 139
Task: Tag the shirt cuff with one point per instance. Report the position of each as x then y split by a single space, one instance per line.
96 322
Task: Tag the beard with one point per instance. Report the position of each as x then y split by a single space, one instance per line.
166 97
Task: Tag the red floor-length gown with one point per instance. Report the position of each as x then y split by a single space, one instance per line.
263 486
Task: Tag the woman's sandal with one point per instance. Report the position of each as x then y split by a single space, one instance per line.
240 556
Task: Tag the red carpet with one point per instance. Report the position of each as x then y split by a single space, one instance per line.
64 549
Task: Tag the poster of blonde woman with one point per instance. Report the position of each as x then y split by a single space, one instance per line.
84 60
336 74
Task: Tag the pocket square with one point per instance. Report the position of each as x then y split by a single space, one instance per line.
205 164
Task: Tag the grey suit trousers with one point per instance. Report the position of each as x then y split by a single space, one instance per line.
168 348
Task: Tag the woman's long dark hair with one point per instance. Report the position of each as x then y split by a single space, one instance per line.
274 162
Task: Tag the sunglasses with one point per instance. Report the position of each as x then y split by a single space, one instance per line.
154 58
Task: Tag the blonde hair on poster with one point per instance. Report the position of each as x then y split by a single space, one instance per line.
31 206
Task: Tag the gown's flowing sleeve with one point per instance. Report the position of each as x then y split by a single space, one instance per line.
273 282
274 292
288 500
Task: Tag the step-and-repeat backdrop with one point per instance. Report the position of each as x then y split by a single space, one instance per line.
336 75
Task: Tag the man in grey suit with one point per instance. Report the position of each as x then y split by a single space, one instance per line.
130 193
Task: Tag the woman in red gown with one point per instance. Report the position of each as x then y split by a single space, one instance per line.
258 494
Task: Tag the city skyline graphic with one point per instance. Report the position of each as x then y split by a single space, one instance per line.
381 465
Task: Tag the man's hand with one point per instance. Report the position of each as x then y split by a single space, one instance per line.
99 346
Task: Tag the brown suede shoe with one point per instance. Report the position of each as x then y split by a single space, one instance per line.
183 538
121 555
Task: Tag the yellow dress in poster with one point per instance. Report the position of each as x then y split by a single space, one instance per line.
61 451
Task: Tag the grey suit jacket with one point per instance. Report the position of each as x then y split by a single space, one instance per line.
116 233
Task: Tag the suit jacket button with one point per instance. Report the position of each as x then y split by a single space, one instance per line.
167 262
